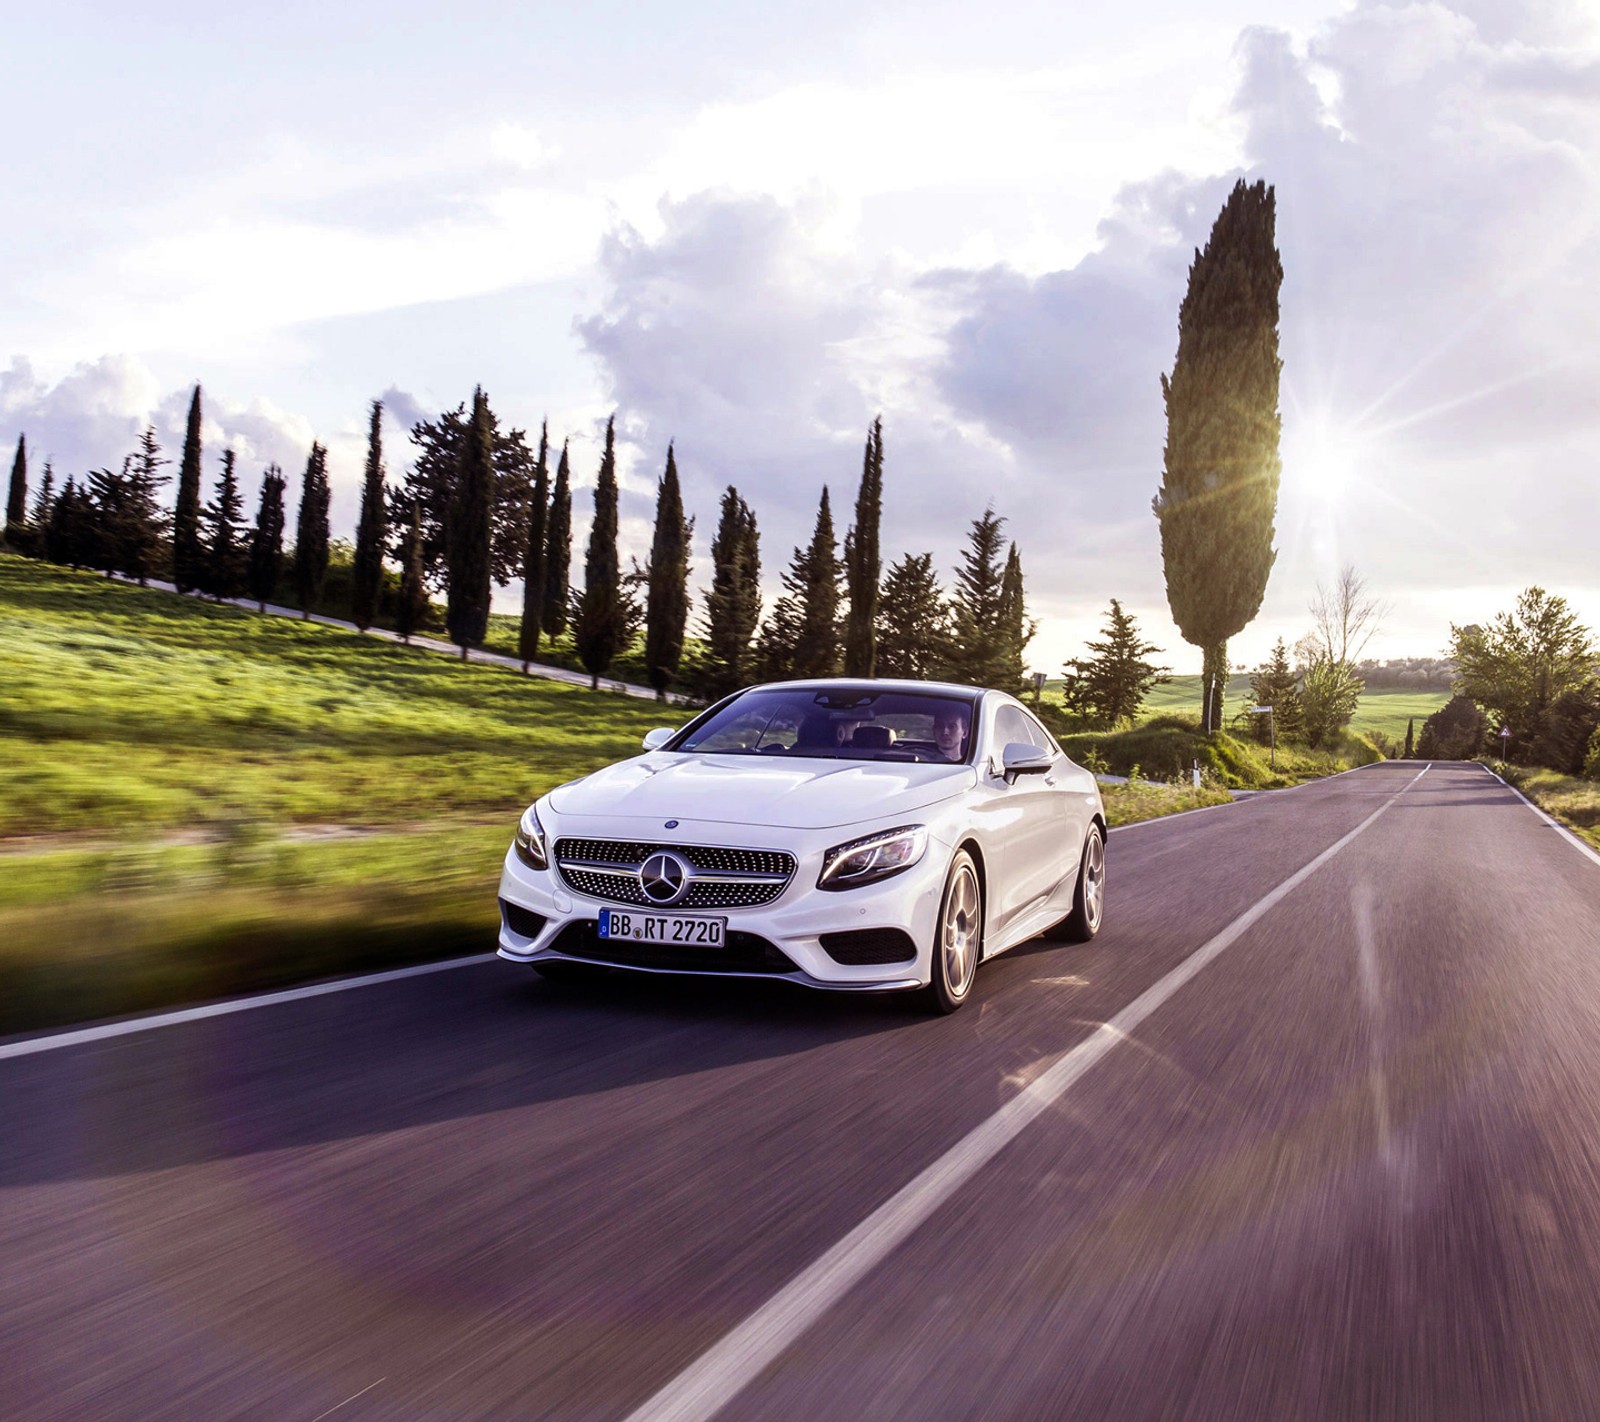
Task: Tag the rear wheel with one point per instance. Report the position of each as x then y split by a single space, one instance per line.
958 936
1089 898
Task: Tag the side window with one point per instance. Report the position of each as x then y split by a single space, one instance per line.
1010 724
1040 737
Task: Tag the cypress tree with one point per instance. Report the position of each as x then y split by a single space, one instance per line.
558 551
913 631
602 617
225 553
733 606
366 575
266 541
143 524
1016 627
412 614
1219 491
533 559
862 563
311 531
469 531
44 504
188 555
975 606
1411 737
800 637
17 502
667 601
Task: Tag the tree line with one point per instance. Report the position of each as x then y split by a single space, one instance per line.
480 506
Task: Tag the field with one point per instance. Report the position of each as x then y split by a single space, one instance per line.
1383 710
197 800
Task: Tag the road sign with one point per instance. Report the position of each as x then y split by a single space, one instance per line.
1260 710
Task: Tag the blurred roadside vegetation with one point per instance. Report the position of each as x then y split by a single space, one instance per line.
1572 799
196 800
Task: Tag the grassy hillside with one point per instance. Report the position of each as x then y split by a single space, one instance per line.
1385 711
195 800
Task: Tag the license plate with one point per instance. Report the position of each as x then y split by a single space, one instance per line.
665 928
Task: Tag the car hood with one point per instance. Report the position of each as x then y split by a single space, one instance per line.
741 789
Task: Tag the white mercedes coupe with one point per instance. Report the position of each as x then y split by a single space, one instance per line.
849 835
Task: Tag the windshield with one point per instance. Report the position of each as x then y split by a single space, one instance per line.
838 723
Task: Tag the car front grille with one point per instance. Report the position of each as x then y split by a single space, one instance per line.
723 878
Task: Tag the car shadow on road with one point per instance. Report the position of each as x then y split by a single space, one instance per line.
470 1042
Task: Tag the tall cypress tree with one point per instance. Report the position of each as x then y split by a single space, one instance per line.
1219 491
366 576
188 554
667 602
800 637
132 522
44 504
976 606
558 551
266 540
17 502
733 606
225 551
913 621
1016 627
412 614
311 531
533 560
1411 738
469 531
602 614
862 563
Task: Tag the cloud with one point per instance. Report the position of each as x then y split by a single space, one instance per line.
93 416
1437 217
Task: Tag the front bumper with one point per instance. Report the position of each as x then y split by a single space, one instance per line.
542 919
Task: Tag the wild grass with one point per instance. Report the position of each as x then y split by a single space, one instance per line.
1151 799
1569 798
129 712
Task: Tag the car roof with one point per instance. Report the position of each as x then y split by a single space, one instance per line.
876 684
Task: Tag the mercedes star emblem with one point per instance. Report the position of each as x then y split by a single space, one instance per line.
664 878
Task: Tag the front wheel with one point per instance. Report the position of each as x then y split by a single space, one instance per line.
958 936
1089 897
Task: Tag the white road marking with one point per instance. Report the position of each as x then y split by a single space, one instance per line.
718 1375
1555 824
222 1009
353 1396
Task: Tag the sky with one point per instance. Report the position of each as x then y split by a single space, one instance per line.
749 230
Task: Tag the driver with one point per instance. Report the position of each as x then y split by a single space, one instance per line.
950 731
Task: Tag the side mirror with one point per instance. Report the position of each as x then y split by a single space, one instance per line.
1024 758
654 740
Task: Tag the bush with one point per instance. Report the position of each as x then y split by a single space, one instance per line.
1456 731
1591 762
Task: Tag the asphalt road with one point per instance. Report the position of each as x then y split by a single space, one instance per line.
1344 1164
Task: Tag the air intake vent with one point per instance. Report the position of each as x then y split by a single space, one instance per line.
861 947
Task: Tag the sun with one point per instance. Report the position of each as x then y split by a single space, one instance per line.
1326 462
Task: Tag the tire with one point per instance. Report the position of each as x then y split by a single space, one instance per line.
1089 896
568 974
957 936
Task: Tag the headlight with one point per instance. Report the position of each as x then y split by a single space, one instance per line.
530 840
865 861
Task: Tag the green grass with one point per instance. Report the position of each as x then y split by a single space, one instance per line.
1383 710
1569 798
134 711
161 755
